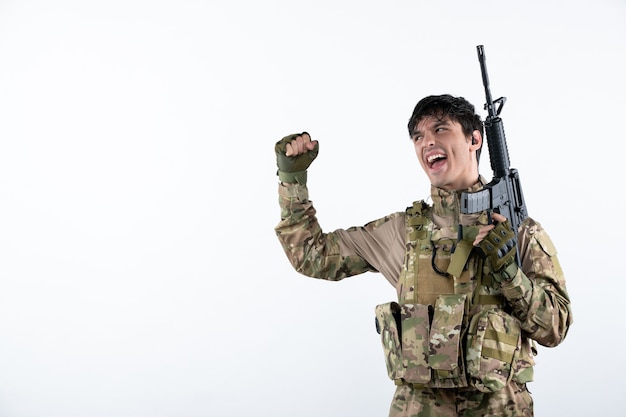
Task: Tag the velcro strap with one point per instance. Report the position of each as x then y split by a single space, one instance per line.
459 257
417 220
417 235
510 340
486 299
497 354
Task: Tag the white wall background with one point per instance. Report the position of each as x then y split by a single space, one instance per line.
139 271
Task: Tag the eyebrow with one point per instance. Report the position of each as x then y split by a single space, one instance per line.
438 123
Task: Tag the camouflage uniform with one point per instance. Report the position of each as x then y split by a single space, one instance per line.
445 366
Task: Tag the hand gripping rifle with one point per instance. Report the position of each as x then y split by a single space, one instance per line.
504 193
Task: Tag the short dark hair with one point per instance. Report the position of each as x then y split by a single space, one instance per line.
456 108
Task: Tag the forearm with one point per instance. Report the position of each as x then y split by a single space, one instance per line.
542 309
310 251
537 293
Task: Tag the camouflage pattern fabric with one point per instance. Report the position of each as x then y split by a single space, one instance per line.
388 324
310 251
404 331
514 400
492 349
535 299
445 334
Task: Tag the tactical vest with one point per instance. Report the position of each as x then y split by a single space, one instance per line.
449 328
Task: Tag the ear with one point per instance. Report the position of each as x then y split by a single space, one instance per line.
477 140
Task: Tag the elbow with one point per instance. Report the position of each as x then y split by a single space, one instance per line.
552 341
553 334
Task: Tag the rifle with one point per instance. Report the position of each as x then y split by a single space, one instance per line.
504 193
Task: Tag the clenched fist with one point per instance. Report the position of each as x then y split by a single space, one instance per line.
294 154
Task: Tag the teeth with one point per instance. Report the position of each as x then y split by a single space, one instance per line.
431 158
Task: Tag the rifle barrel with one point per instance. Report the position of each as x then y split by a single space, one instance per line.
489 106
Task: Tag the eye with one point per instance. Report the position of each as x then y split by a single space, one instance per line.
416 138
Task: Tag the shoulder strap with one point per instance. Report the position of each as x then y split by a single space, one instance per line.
418 216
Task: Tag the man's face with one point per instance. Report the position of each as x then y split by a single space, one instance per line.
447 155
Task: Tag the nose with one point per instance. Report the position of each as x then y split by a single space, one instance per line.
429 140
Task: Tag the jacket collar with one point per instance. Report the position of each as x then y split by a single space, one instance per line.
446 207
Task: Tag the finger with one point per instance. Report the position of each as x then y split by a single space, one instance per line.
309 144
299 145
484 231
498 217
289 150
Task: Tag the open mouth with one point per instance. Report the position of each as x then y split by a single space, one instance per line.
435 160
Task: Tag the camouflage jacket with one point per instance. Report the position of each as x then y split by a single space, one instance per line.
536 296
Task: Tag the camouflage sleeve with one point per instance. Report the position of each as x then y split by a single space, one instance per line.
537 293
310 251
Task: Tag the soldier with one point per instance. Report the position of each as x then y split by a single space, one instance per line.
460 340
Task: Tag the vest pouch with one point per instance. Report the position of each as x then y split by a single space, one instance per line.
388 325
493 346
415 327
404 335
445 334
